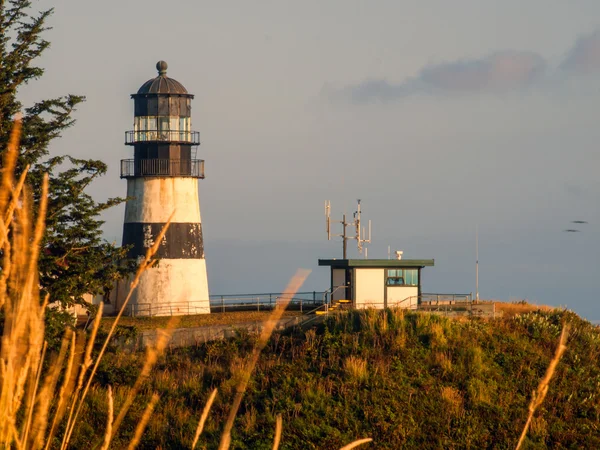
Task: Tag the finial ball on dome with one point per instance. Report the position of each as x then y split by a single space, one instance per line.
161 66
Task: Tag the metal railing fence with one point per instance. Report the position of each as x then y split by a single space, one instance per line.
445 298
304 302
162 167
301 301
265 301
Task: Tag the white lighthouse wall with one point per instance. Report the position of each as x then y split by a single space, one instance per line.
174 287
154 199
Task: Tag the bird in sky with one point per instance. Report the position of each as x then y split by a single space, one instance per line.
570 230
578 221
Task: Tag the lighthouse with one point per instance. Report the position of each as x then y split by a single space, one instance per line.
162 178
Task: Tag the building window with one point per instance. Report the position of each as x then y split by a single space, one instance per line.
402 277
162 128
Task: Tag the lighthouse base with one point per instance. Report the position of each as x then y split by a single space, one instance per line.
173 288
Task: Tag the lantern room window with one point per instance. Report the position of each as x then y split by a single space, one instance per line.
162 128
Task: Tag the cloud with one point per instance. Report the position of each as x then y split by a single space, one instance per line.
499 72
584 56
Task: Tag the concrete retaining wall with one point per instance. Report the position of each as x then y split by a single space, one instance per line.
186 337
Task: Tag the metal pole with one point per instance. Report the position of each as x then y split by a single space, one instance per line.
344 239
222 304
477 262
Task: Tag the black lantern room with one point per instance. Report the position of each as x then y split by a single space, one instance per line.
162 136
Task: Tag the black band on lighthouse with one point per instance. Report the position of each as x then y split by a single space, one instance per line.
181 241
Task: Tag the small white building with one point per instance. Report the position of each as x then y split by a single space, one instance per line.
376 283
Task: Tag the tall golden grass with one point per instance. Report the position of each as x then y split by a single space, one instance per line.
35 403
513 309
24 413
32 404
539 394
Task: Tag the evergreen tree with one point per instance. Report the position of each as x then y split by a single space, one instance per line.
75 260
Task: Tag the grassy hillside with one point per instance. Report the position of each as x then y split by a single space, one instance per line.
406 380
200 320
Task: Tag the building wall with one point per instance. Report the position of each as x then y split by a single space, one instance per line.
156 198
369 288
339 279
82 311
178 284
174 287
402 296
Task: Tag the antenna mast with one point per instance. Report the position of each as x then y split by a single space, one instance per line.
360 233
476 262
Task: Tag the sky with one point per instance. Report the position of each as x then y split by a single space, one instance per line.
442 117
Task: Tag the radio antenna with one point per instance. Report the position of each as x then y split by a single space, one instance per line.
360 235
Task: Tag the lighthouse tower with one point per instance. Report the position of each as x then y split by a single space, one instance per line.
161 178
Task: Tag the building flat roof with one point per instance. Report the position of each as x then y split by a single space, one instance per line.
343 263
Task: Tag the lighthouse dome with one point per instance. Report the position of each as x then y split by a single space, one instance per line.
162 84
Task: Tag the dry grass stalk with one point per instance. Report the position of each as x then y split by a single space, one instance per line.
356 368
152 355
265 334
513 309
356 443
109 421
25 405
67 386
278 428
13 204
46 395
147 263
540 393
31 398
453 399
22 339
203 418
86 362
9 163
139 430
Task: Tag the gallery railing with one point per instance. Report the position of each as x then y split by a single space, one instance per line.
162 168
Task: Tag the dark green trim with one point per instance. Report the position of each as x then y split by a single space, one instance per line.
376 263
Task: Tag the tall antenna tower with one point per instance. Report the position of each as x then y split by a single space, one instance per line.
360 233
477 262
